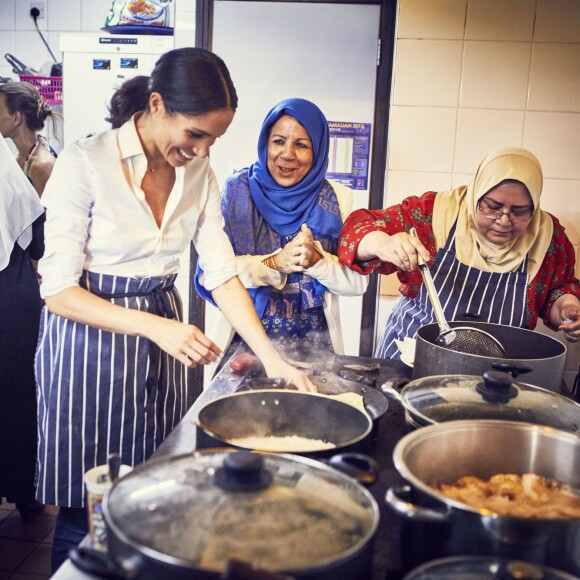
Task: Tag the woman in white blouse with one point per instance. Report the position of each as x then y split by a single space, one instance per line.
121 208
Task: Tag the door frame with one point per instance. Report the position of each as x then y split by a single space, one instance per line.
378 166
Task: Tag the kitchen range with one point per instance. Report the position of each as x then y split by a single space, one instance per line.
391 542
386 431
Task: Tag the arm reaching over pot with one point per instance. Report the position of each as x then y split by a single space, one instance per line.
401 249
235 304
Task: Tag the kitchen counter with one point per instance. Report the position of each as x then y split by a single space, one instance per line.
388 430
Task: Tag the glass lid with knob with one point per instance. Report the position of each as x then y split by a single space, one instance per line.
495 395
274 512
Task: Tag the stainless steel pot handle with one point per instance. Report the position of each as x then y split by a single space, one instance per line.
389 388
238 570
360 467
410 511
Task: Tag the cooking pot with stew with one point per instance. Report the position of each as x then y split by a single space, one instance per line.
495 395
436 526
544 355
190 516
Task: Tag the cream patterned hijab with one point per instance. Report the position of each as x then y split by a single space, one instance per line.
471 247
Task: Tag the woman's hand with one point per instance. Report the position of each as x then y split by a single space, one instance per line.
400 249
565 314
298 254
235 304
185 342
279 368
309 254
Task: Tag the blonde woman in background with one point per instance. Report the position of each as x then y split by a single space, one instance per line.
21 240
22 115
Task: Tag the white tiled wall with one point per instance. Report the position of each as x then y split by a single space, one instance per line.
474 75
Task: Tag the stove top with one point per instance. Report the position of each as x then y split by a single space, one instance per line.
333 375
371 372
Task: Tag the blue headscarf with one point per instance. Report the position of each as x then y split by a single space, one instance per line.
285 209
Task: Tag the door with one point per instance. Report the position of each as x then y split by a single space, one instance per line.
326 52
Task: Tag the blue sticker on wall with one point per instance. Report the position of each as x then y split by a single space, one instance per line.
349 154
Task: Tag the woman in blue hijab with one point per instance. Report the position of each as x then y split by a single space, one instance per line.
283 218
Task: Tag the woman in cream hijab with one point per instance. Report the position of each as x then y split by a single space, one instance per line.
491 250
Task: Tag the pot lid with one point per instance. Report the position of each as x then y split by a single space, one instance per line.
495 395
273 512
484 568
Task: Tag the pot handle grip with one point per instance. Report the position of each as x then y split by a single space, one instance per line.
389 388
238 570
514 369
101 565
361 467
411 511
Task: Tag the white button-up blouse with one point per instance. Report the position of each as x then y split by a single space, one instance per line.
98 218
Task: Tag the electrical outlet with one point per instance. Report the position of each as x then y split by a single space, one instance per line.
39 6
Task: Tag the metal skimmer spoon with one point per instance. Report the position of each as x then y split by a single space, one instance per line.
460 338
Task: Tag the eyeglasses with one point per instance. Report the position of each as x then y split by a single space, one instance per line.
520 214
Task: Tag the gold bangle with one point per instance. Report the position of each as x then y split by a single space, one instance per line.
269 262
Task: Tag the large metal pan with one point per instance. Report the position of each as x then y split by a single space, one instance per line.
284 413
329 383
545 356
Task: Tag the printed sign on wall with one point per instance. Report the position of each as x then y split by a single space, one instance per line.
348 158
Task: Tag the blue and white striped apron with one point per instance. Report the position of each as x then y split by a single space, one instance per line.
101 392
495 297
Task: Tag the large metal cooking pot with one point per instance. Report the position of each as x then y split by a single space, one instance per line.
495 395
544 355
484 568
435 526
187 516
283 414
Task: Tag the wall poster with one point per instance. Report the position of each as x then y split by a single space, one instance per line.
349 153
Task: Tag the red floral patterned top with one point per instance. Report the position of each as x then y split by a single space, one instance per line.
555 277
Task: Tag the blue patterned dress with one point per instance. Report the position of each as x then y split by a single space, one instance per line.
293 317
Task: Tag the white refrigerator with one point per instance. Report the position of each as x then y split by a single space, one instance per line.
94 66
